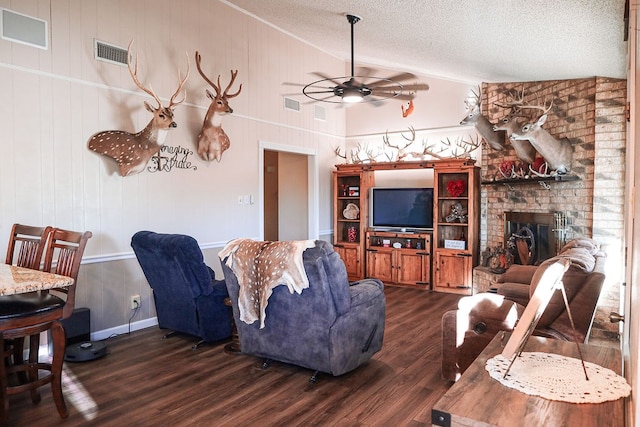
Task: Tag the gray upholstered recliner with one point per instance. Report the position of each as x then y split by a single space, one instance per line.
187 297
332 326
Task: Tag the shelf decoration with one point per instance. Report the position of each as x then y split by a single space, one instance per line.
351 211
352 234
456 188
458 213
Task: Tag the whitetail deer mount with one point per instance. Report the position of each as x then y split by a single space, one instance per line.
212 140
557 152
495 139
513 122
132 151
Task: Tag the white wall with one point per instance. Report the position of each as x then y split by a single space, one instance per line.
54 100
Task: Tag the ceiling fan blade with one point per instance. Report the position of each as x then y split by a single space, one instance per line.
326 77
415 87
385 81
319 91
314 100
391 95
402 77
405 97
365 71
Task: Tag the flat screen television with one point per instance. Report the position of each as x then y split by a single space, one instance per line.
401 208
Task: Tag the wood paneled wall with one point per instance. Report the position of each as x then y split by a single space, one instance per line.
54 100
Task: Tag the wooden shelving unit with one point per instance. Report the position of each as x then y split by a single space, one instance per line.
350 217
436 265
456 227
399 258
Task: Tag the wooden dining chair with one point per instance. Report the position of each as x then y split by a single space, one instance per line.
26 245
25 249
28 315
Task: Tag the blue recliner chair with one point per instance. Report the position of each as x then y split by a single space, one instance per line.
332 326
187 297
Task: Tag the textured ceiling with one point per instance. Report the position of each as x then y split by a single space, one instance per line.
468 40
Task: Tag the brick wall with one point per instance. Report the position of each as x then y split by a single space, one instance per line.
591 114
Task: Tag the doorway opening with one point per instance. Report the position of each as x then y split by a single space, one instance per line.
288 193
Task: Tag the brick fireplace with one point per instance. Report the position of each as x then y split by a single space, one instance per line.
591 114
541 233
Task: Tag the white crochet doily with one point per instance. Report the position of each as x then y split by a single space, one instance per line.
556 377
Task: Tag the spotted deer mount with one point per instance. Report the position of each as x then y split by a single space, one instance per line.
212 139
132 151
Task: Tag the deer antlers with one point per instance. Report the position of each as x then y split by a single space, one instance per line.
149 90
402 153
217 87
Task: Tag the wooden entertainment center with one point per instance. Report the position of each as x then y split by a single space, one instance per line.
442 260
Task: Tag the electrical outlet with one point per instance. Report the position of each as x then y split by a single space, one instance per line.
135 302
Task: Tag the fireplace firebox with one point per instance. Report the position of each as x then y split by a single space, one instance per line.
533 237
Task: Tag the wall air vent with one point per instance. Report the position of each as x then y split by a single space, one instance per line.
319 113
110 53
24 29
291 104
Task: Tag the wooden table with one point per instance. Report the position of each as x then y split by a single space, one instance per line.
478 400
18 280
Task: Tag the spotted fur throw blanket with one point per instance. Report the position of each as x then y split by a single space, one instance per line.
260 267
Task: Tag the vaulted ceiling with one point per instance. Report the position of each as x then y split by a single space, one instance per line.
467 40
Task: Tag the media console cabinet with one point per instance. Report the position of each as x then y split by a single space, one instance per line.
447 256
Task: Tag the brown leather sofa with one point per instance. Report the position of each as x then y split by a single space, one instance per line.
582 282
468 330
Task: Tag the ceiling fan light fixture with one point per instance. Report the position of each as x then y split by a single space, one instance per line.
351 96
352 99
356 89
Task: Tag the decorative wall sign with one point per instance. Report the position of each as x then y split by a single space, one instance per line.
170 158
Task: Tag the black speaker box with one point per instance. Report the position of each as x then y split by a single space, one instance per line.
78 326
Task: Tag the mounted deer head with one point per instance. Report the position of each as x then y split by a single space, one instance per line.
557 152
513 122
212 140
495 139
132 151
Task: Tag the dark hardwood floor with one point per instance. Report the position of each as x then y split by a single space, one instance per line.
148 381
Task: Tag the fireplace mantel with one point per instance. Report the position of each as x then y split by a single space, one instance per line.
538 179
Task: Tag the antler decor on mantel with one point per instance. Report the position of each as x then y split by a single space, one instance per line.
445 149
212 140
132 151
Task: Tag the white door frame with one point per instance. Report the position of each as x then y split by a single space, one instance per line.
313 226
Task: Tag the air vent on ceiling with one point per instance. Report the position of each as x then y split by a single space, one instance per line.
24 29
110 53
291 104
319 113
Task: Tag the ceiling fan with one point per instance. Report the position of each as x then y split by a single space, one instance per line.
362 88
